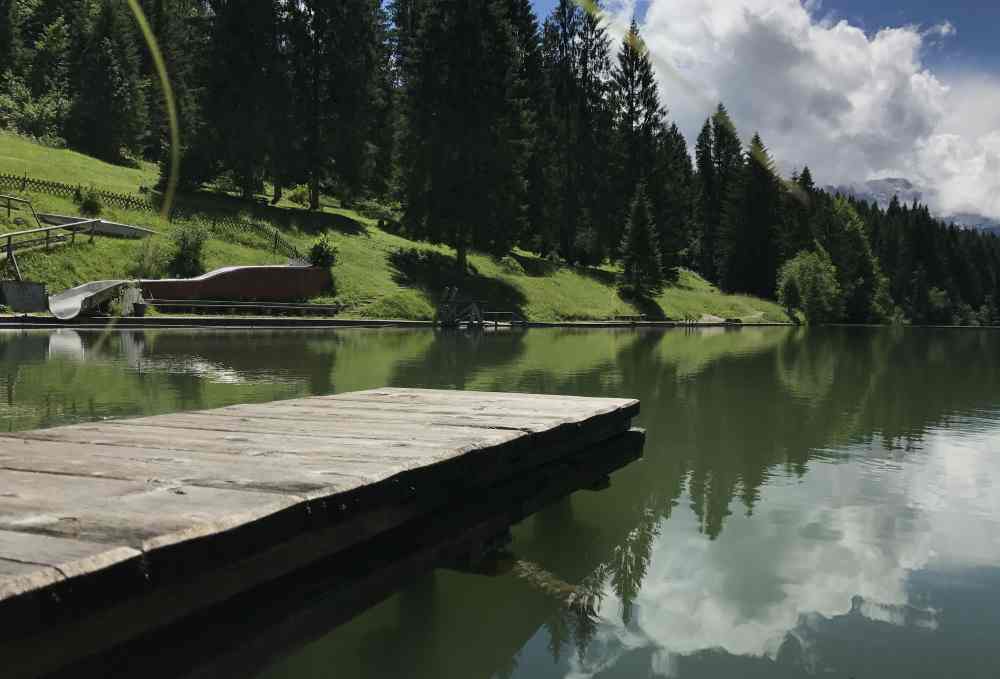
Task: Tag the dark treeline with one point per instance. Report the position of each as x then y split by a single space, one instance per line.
492 130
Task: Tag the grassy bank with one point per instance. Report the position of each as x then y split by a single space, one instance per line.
378 274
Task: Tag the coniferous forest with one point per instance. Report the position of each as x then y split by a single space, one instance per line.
492 129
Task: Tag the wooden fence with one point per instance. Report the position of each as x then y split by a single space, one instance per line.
220 227
25 183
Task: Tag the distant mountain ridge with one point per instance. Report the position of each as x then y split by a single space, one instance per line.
881 191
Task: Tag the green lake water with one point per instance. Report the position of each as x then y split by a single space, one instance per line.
811 502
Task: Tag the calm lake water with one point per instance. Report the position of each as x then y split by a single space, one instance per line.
811 503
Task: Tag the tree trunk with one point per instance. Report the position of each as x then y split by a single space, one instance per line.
462 258
314 192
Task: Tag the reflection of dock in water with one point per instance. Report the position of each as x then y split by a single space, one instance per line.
115 529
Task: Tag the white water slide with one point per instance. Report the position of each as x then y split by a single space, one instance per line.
82 299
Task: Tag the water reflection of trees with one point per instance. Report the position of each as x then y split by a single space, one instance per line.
725 414
69 376
723 432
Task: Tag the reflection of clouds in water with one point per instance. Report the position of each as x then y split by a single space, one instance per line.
842 541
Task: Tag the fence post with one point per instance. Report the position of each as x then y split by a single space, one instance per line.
24 182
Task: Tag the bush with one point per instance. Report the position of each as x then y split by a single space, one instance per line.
151 261
226 183
41 118
323 253
555 259
509 264
809 282
587 246
90 201
187 260
299 195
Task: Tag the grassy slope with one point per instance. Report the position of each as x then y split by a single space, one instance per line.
378 274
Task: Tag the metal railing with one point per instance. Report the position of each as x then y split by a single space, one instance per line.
9 202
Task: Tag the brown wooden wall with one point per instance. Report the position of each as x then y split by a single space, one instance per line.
258 283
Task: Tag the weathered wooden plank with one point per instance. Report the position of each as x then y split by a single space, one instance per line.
17 577
40 560
277 485
142 516
396 394
351 584
289 474
324 427
261 444
297 411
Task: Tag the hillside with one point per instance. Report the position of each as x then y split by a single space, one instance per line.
378 274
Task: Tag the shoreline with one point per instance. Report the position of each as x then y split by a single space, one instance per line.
277 322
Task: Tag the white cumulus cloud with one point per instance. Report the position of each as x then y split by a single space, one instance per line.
823 92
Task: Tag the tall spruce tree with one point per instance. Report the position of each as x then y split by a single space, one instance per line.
640 250
245 48
9 38
728 160
385 110
110 117
706 203
184 32
334 64
751 225
528 114
562 124
463 164
671 200
638 114
593 148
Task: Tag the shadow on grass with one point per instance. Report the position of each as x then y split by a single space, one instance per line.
432 272
609 278
539 267
536 267
211 204
646 305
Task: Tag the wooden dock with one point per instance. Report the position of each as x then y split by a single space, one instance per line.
113 528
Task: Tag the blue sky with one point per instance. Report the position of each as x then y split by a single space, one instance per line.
976 44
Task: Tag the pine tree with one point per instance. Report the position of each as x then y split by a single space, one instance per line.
240 116
795 232
706 203
182 32
640 251
385 110
638 114
110 120
805 180
9 35
335 66
671 198
528 111
593 145
354 86
463 161
727 155
750 226
864 288
562 123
